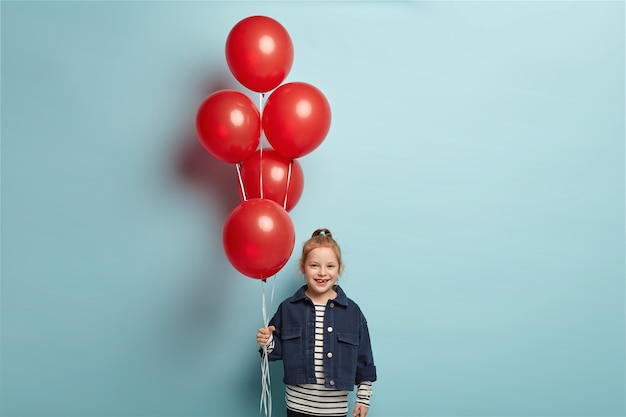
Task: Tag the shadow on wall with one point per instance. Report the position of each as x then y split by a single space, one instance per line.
199 317
197 311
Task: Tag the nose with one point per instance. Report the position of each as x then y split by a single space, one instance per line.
321 272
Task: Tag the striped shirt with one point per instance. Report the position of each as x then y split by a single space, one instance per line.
316 399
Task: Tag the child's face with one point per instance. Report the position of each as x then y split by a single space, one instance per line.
321 270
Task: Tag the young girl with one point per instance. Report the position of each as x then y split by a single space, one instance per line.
322 338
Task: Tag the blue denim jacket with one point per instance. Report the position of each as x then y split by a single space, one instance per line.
348 359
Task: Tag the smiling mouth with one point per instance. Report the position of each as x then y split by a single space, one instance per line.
321 281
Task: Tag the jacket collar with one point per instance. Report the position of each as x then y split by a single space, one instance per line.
341 298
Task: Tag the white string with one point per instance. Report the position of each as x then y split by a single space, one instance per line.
266 386
261 171
288 181
243 191
261 95
266 389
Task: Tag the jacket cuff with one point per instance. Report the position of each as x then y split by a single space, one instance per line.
367 373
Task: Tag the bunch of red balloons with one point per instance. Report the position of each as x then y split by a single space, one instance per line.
258 235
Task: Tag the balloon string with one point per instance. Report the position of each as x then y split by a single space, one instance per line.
261 171
243 191
288 181
264 310
266 391
261 95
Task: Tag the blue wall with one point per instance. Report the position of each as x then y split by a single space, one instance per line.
473 173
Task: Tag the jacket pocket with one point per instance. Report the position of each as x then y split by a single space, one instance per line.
348 349
293 354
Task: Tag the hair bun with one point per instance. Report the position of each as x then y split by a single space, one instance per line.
325 232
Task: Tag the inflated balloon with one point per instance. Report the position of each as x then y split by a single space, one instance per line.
296 119
259 53
271 169
258 238
228 125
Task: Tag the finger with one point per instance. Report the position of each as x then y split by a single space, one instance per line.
360 410
271 329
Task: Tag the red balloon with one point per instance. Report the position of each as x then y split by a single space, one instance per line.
258 238
296 119
259 53
272 169
229 125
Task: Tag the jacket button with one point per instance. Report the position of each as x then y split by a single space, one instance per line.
329 354
332 305
332 382
330 329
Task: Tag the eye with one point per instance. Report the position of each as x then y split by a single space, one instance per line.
331 266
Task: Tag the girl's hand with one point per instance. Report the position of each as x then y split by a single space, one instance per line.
360 410
263 335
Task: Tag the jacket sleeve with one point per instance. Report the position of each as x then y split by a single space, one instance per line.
365 370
